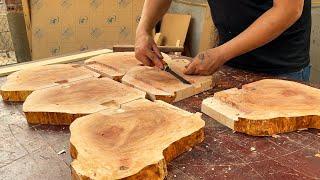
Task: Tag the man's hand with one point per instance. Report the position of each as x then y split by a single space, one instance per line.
206 63
147 51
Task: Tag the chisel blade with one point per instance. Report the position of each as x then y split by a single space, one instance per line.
167 69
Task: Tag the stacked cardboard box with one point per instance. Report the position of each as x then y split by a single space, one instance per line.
69 26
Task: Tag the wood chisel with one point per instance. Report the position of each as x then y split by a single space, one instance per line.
169 70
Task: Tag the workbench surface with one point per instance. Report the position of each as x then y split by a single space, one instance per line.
42 152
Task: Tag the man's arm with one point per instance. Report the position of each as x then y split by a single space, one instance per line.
266 28
145 47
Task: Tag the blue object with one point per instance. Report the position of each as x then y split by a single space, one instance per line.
302 75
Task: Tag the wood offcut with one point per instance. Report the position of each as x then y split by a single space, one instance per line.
161 85
266 107
60 105
134 142
20 84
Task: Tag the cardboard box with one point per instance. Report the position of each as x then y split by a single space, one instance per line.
70 26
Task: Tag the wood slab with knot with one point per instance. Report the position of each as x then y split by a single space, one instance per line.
21 84
60 105
134 142
266 107
161 85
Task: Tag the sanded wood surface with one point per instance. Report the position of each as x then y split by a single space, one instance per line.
161 85
266 107
20 84
60 105
134 142
115 65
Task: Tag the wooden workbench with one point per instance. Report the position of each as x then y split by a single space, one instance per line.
42 152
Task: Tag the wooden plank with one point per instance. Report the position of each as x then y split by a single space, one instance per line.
164 49
266 107
27 19
63 59
161 85
135 142
21 84
158 38
174 27
60 105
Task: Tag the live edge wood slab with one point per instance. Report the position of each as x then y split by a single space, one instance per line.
161 85
60 105
266 107
22 83
115 65
134 142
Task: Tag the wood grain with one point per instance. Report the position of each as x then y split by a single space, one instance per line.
134 142
60 105
161 85
266 107
20 84
113 65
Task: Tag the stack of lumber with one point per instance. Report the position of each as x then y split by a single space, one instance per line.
134 142
266 107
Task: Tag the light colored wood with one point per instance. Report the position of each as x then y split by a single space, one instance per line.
60 105
174 27
158 38
266 107
64 59
27 19
22 83
134 142
164 49
178 45
161 85
113 65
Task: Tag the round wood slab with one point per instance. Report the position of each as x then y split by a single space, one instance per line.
20 84
60 105
115 65
161 85
266 107
134 142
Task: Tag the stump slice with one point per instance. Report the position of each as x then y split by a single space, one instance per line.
60 105
161 85
134 142
115 65
266 107
22 83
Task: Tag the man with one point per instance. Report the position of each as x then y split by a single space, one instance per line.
270 36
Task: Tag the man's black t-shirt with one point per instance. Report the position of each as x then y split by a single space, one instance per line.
288 53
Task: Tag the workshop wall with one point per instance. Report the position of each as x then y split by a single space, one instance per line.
70 26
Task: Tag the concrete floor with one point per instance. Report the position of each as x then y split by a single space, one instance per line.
37 152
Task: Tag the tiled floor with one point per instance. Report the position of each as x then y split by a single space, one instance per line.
41 152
